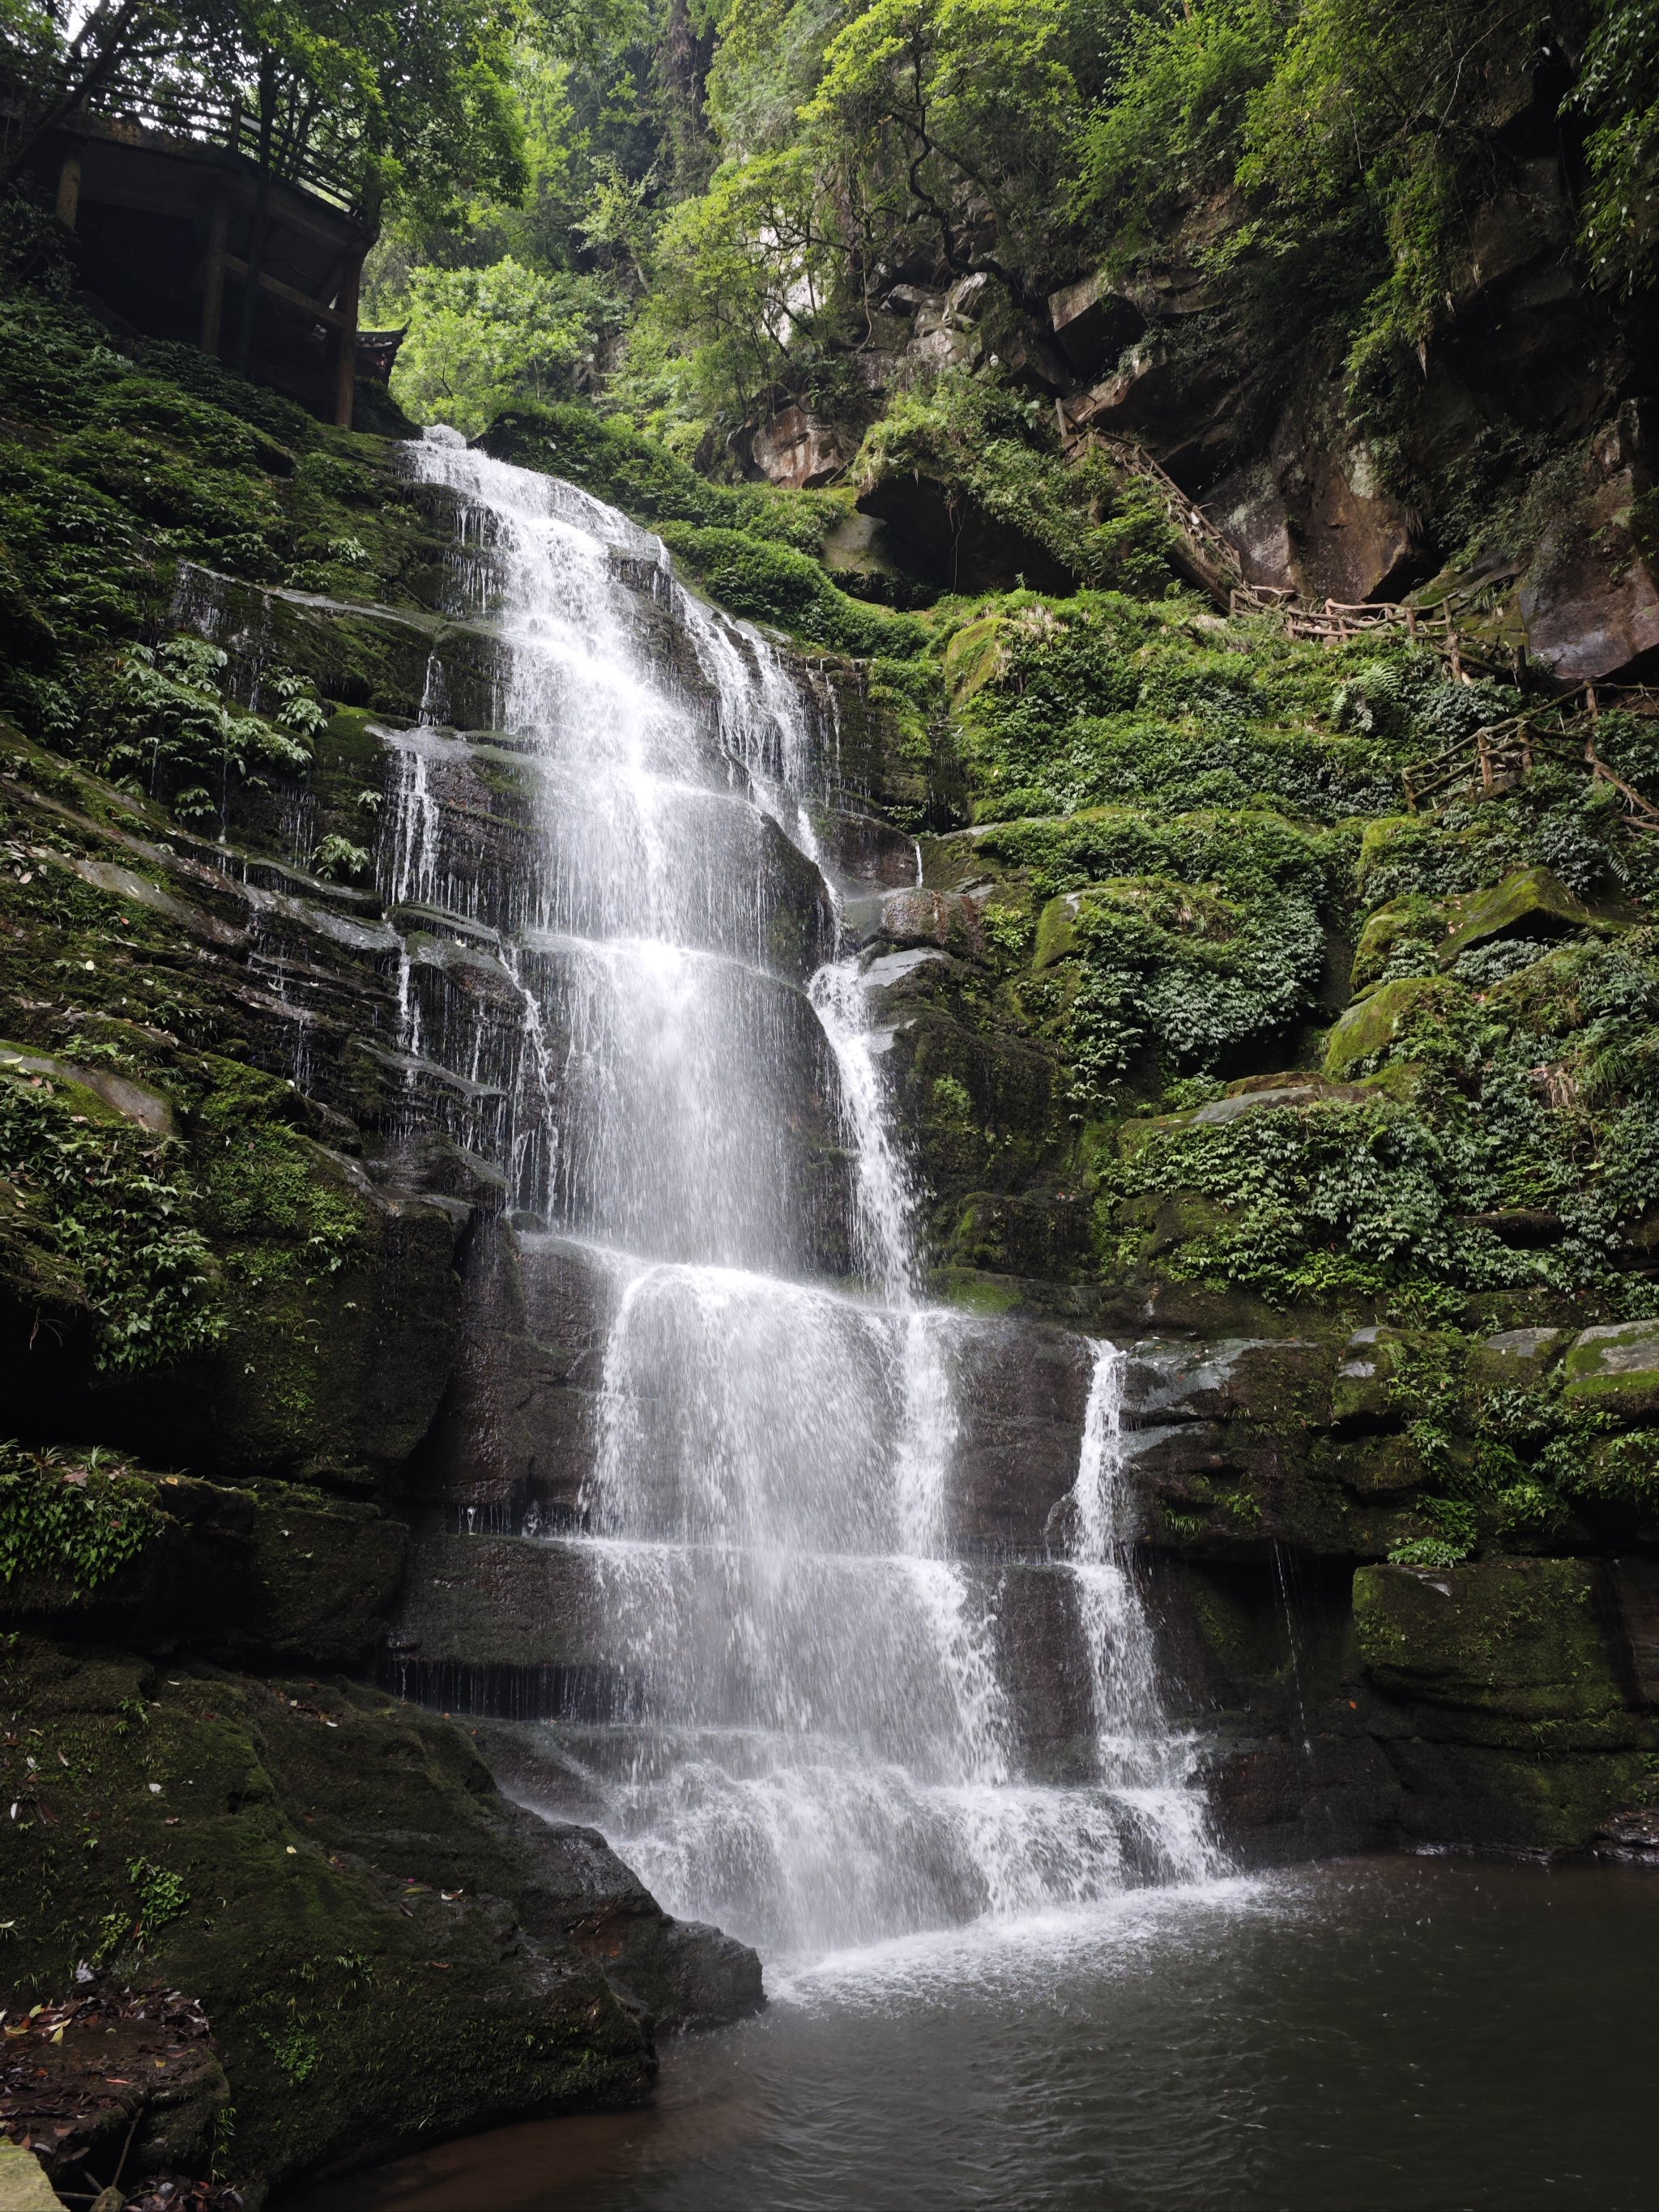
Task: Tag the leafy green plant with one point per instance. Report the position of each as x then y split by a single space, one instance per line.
163 1896
118 1237
69 1518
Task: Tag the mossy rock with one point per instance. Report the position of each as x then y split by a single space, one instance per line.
96 1092
1516 1640
23 2184
1614 1369
276 1571
280 1850
1362 1389
1414 919
972 659
1516 1359
1380 1466
1533 902
1371 1025
1256 1095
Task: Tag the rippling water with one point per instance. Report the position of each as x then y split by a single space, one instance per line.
1414 2034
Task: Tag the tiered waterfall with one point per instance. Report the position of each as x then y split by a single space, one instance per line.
811 1735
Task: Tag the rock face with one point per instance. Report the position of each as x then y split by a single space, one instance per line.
309 1913
1588 597
1525 352
387 1947
796 451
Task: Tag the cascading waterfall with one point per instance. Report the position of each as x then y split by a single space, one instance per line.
817 1745
1145 1764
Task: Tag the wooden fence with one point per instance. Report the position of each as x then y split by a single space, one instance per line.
1496 756
186 113
1491 758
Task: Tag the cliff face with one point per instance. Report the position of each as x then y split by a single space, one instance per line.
232 1306
1506 462
1338 1112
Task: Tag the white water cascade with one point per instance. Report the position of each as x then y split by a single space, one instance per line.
815 1743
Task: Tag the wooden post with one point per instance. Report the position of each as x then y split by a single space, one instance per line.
1411 625
345 382
1483 744
1590 701
213 281
1457 656
68 189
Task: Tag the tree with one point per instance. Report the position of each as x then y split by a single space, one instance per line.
957 119
744 275
483 339
1618 91
406 96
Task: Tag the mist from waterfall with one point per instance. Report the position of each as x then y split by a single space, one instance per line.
818 1746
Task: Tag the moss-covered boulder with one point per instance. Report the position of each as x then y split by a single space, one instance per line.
1412 919
386 1949
1371 1024
1614 1369
1516 1640
1516 1359
1256 1095
1532 902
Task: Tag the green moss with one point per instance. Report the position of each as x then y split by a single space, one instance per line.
1404 931
1371 1024
1531 904
1614 1369
1515 1639
973 658
773 583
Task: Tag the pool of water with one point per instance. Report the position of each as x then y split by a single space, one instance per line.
1415 2034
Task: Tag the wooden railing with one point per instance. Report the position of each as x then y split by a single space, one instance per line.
1339 622
1496 755
1214 560
231 122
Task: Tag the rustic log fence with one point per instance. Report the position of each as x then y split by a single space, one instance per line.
1489 759
1496 756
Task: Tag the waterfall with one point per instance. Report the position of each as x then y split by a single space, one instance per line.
1145 1765
815 1739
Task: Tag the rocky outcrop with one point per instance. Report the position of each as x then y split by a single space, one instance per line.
412 1956
796 451
1589 596
388 1949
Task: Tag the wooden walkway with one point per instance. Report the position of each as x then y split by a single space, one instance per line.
1492 758
1498 755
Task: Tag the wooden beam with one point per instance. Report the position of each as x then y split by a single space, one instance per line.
345 387
213 285
275 286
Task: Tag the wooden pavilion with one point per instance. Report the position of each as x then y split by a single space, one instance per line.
170 210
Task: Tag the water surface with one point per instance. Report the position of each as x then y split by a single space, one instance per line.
1415 2034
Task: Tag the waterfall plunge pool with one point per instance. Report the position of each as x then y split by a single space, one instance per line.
1418 2034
